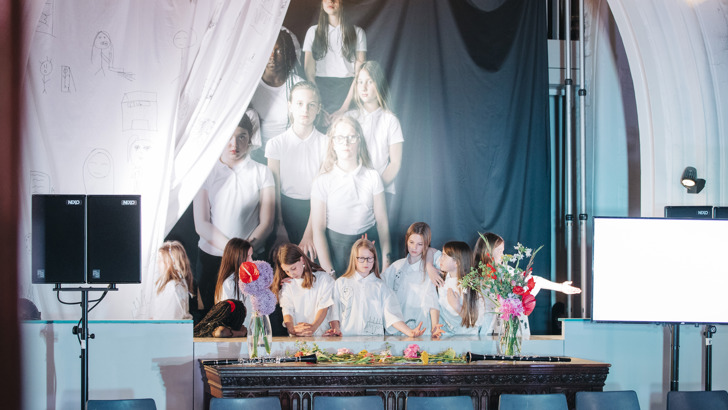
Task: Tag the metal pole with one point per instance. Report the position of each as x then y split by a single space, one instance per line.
568 107
84 349
675 358
583 217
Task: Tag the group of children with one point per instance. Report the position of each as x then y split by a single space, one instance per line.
402 300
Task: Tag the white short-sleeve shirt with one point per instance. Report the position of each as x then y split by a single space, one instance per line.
300 160
234 196
364 305
334 64
349 198
228 292
302 304
172 303
271 104
415 292
451 319
381 129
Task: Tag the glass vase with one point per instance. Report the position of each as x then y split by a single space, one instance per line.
510 340
260 336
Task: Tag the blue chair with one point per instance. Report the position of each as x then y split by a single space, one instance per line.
443 403
348 403
697 400
555 401
607 400
127 404
245 403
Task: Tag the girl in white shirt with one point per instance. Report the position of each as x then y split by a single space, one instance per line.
236 252
363 304
381 127
408 279
459 307
334 49
304 291
295 158
347 199
172 296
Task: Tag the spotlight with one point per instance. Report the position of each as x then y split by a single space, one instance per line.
690 180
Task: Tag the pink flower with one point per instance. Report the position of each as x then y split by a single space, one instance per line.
411 352
343 351
510 307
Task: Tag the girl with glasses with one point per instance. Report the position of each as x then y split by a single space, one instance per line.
408 279
363 304
334 49
347 199
304 291
295 158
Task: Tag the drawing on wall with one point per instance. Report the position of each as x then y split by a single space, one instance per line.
40 183
45 22
138 153
102 55
67 83
46 68
183 40
98 172
139 111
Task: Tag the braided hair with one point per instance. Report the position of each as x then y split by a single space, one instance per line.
228 313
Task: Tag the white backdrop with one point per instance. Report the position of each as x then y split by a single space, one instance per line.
137 97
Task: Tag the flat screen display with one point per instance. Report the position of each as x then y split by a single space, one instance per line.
660 270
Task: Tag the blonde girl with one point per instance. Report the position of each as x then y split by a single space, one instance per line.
363 304
304 291
347 199
334 49
172 296
459 307
295 158
381 127
408 279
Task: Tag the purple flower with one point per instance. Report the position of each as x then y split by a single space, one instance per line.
262 283
264 302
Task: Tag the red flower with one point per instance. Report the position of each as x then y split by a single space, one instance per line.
518 290
529 303
298 354
492 269
248 272
531 284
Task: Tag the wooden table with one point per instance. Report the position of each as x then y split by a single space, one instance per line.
297 383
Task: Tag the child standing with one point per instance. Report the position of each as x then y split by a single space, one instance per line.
306 296
295 158
381 127
347 199
172 297
459 307
334 49
407 278
363 304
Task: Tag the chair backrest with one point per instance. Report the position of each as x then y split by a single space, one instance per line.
245 403
555 401
126 404
443 403
348 403
607 400
688 400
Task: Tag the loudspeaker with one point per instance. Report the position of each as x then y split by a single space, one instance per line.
692 212
59 239
114 239
720 212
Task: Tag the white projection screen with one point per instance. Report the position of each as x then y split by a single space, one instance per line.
660 270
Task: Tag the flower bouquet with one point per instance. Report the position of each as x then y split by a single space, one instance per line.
508 287
255 280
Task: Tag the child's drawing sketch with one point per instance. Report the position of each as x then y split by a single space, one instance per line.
139 111
138 153
102 55
45 22
67 83
98 172
40 183
46 68
183 40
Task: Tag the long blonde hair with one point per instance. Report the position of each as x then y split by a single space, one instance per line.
362 243
176 266
422 229
362 154
460 251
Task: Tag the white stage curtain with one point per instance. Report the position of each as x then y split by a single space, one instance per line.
678 59
133 97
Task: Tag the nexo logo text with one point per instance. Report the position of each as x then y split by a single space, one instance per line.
703 212
128 202
73 202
